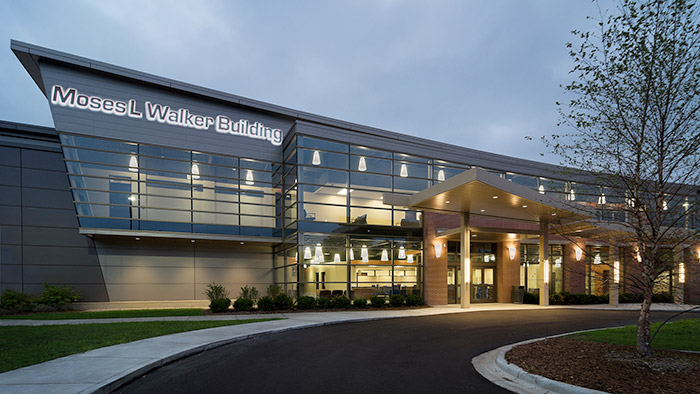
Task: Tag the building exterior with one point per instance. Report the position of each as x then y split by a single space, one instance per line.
149 189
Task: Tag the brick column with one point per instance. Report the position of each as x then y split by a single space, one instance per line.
507 271
691 290
545 273
574 270
434 268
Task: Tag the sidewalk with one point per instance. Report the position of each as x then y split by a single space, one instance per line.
108 368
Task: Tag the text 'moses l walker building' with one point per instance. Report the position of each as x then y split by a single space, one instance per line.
149 189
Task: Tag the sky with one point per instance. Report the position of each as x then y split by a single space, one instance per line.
480 74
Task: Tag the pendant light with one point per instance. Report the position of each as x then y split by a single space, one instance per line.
316 159
597 259
336 258
364 254
441 175
601 199
541 189
249 178
572 195
385 255
318 254
409 259
307 253
133 164
195 171
402 253
352 255
404 171
362 165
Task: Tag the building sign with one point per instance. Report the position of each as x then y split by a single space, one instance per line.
154 112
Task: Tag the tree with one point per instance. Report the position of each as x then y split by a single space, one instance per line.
635 131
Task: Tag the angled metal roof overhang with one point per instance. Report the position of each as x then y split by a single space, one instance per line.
480 192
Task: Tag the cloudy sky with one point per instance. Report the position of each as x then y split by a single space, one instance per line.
481 74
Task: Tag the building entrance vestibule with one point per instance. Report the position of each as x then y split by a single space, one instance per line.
483 273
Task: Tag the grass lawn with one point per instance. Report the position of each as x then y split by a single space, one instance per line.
106 314
26 345
679 335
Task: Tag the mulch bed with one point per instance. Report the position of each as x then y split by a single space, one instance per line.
607 367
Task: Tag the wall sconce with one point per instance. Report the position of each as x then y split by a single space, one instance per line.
511 252
316 159
616 272
402 253
681 273
362 165
438 250
318 254
307 253
546 271
579 253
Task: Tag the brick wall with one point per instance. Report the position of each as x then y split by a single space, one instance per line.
435 269
692 277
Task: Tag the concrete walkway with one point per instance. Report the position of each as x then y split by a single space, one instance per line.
105 369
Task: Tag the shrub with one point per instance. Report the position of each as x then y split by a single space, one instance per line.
662 297
306 302
627 298
266 303
216 292
283 302
250 293
324 303
359 303
273 291
396 300
556 299
340 301
414 300
219 305
57 296
243 304
531 298
16 301
377 302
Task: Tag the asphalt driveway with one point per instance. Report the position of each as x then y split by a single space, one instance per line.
430 354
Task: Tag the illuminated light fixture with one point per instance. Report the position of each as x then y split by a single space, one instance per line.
557 262
616 271
438 250
138 239
541 189
344 191
316 159
686 205
404 171
385 255
473 235
524 206
318 253
307 253
601 199
305 266
630 202
511 235
362 165
579 252
554 214
468 270
364 254
665 205
409 259
133 164
195 171
336 258
511 252
698 254
494 197
487 258
447 201
402 253
482 210
597 259
546 271
352 254
639 257
441 175
192 240
249 180
681 273
132 198
572 195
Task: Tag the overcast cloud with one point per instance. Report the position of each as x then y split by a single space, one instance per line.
481 74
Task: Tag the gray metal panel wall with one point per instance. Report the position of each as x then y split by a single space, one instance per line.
39 230
83 121
178 269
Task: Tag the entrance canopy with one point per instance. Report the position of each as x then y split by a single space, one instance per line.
479 192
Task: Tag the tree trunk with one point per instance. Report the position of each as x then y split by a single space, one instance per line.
643 329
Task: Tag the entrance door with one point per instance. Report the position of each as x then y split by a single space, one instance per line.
454 278
482 286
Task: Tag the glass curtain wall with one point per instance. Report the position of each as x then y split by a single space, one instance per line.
128 186
530 268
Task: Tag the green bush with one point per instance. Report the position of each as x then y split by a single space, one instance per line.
243 304
414 300
340 301
556 299
58 297
283 302
273 291
531 298
662 297
359 303
377 302
627 298
16 301
216 292
396 300
306 302
219 305
266 303
324 303
250 293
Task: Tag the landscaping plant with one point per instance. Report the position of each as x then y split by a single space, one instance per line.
218 297
377 302
266 303
396 300
306 302
57 297
359 303
340 302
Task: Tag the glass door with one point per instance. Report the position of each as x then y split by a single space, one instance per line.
454 278
483 289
